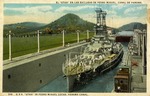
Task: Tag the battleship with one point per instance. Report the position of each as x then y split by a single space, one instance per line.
101 54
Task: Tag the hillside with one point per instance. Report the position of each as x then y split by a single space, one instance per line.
22 27
69 22
132 26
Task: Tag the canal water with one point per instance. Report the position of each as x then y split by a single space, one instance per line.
103 83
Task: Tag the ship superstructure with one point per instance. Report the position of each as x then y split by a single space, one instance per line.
100 55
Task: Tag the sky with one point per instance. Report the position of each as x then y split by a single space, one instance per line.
117 14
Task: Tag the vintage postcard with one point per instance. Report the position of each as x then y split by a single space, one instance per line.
74 48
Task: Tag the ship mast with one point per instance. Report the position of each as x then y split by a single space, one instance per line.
101 28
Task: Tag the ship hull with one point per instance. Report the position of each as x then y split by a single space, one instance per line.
109 66
74 80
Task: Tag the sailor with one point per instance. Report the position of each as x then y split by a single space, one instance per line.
100 57
90 62
96 58
80 64
97 49
78 77
94 70
93 60
104 50
103 56
109 49
76 56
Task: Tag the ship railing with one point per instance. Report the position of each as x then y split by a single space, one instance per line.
63 68
116 56
71 57
71 66
75 70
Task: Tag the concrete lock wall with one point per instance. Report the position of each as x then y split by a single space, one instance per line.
33 75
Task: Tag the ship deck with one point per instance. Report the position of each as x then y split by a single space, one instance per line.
77 69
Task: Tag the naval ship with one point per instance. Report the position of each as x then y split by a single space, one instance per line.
100 55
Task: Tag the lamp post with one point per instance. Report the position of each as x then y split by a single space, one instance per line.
63 38
38 40
10 55
87 34
78 38
94 30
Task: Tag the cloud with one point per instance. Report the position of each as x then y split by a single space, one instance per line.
41 18
111 12
118 6
77 8
47 14
43 14
133 9
118 21
30 10
113 20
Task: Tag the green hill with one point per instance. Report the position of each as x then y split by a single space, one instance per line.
132 26
69 22
23 27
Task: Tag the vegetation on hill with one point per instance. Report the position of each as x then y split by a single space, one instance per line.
132 26
70 23
24 27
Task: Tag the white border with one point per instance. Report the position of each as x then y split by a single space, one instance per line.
80 94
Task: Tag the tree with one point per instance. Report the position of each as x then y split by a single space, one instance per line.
48 30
